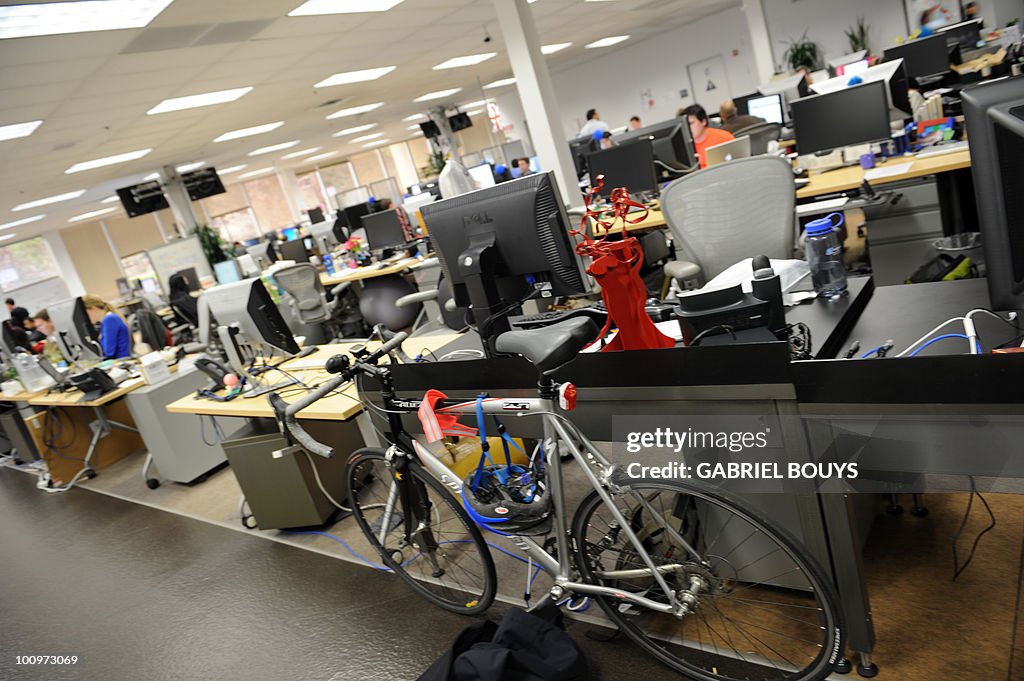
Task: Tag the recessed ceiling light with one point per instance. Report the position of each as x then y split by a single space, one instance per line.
607 42
468 60
189 167
254 173
312 7
91 214
196 101
108 161
355 110
320 156
274 147
151 177
247 132
554 47
352 131
438 94
111 199
56 18
473 105
7 236
377 143
23 221
232 169
355 76
414 117
414 127
500 83
14 130
48 200
304 152
366 137
474 112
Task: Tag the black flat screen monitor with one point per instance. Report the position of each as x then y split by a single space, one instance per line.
294 250
386 230
922 58
671 140
191 278
354 215
580 148
966 35
630 166
430 129
315 215
140 199
856 115
202 183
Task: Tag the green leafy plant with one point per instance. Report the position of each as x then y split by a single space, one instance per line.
10 374
802 53
212 244
435 164
858 36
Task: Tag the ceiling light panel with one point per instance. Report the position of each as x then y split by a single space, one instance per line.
352 131
107 161
274 147
355 76
304 152
189 167
91 214
57 18
355 110
232 169
438 94
48 200
554 47
248 132
111 199
468 60
366 137
414 117
500 83
254 173
23 221
607 42
315 7
15 130
377 143
196 101
320 156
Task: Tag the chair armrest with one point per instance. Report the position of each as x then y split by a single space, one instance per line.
680 270
340 288
418 297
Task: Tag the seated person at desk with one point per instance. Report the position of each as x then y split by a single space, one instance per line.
704 136
35 335
732 121
19 335
186 310
50 349
115 338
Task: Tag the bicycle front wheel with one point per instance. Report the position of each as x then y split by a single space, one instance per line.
428 540
760 609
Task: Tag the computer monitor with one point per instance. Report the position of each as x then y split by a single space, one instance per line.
835 62
140 199
77 337
249 323
294 250
853 68
924 58
11 343
671 141
966 34
768 107
500 245
191 278
324 236
994 113
856 115
386 230
788 87
630 165
202 183
892 73
290 233
728 151
354 215
315 215
227 272
580 148
262 254
150 285
483 175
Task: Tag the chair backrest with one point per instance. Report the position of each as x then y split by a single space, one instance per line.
760 135
302 282
151 329
736 210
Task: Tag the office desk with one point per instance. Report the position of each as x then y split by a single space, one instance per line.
361 273
655 220
851 177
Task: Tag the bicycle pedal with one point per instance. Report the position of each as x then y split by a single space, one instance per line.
396 519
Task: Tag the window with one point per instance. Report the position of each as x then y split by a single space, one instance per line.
239 225
309 191
368 167
337 178
269 203
25 263
138 267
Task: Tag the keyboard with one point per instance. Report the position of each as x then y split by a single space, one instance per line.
942 149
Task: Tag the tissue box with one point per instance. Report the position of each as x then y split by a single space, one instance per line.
154 369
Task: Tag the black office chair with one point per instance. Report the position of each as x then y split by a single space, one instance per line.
152 330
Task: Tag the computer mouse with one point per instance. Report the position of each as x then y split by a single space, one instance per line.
799 172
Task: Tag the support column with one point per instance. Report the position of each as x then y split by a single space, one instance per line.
760 41
445 142
177 197
538 95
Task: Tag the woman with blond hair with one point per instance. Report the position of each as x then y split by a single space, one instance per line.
115 338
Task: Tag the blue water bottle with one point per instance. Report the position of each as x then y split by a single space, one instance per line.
328 262
825 256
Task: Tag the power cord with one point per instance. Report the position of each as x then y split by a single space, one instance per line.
957 568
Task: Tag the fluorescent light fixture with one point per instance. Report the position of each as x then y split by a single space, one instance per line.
23 221
414 127
56 18
554 47
361 76
355 110
320 156
377 143
313 7
414 117
189 167
232 169
111 199
438 94
91 214
48 200
607 42
151 177
14 130
500 83
248 132
473 105
352 131
474 112
108 161
7 236
304 152
363 138
254 173
274 147
196 101
468 60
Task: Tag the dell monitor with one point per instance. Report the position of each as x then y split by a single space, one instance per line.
76 335
324 236
671 141
839 119
580 148
249 324
262 253
630 166
924 58
294 250
892 73
354 215
315 215
483 175
768 107
501 245
387 230
994 114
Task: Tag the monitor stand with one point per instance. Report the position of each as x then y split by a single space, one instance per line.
477 265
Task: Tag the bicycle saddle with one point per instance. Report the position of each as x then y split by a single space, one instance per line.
549 347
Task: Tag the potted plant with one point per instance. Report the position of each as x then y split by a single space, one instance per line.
858 36
357 251
802 53
212 244
435 164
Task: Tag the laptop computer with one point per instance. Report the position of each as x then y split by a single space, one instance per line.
728 151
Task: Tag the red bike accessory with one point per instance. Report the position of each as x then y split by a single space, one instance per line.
436 426
567 396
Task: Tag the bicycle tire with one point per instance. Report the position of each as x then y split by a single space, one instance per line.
814 631
450 526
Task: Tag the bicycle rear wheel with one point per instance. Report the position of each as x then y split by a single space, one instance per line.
765 610
446 559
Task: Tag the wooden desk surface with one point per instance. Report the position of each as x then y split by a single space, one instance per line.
341 406
655 220
851 177
370 272
72 397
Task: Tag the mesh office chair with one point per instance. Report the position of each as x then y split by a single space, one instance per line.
729 212
760 135
152 330
309 298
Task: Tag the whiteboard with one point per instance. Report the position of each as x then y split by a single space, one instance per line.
179 255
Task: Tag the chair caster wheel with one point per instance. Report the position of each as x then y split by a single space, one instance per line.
152 483
919 512
842 667
249 523
895 509
868 672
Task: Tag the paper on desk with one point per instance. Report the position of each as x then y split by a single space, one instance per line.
791 272
888 170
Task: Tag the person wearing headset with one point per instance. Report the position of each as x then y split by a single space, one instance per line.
115 338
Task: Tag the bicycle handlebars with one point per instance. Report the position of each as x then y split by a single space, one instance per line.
346 369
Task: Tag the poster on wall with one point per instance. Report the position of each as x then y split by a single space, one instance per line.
709 83
932 13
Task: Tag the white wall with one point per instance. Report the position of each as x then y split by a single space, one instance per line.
998 12
67 268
